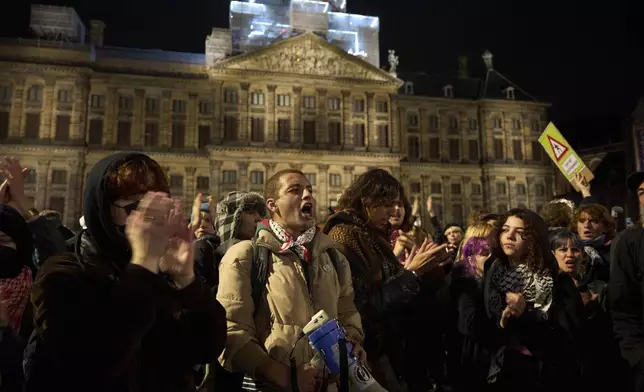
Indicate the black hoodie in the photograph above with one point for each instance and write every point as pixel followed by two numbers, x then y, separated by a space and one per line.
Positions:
pixel 103 324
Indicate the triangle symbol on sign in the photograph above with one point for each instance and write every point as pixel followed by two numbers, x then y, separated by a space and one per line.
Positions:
pixel 558 149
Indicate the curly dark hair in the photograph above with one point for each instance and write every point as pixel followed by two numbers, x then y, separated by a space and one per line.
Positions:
pixel 538 256
pixel 597 212
pixel 374 188
pixel 557 215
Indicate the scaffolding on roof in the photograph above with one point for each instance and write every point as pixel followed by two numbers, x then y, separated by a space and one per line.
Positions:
pixel 57 23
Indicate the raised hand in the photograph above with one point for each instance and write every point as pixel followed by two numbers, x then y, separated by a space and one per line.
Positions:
pixel 426 257
pixel 14 175
pixel 196 209
pixel 178 260
pixel 148 230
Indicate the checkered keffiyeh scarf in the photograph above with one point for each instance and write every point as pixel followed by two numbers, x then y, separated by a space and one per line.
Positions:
pixel 229 212
pixel 297 244
pixel 15 294
pixel 536 287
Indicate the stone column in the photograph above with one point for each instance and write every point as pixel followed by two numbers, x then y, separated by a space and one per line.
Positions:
pixel 73 201
pixel 322 190
pixel 48 108
pixel 488 138
pixel 16 130
pixel 348 175
pixel 244 112
pixel 138 118
pixel 189 187
pixel 215 180
pixel 242 181
pixel 191 123
pixel 111 112
pixel 549 187
pixel 530 199
pixel 217 129
pixel 165 119
pixel 78 123
pixel 401 116
pixel 271 138
pixel 445 185
pixel 512 189
pixel 296 137
pixel 42 184
pixel 466 194
pixel 322 136
pixel 394 127
pixel 425 192
pixel 424 134
pixel 269 168
pixel 346 119
pixel 372 137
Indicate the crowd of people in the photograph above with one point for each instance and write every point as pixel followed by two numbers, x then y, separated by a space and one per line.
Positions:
pixel 145 298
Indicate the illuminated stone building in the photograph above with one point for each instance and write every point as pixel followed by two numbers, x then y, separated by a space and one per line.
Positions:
pixel 229 118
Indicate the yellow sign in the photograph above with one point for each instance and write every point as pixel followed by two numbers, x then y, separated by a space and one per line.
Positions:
pixel 563 155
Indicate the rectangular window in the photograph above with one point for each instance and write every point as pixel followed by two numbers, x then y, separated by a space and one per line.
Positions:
pixel 125 103
pixel 454 150
pixel 382 107
pixel 257 177
pixel 59 177
pixel 95 132
pixel 34 94
pixel 308 102
pixel 520 189
pixel 123 138
pixel 502 208
pixel 4 125
pixel 284 130
pixel 517 150
pixel 309 132
pixel 516 124
pixel 540 190
pixel 283 100
pixel 151 137
pixel 97 101
pixel 65 96
pixel 477 189
pixel 473 124
pixel 203 183
pixel 536 126
pixel 473 147
pixel 335 133
pixel 205 107
pixel 31 177
pixel 412 119
pixel 230 128
pixel 414 187
pixel 312 177
pixel 257 98
pixel 383 135
pixel 178 135
pixel 179 106
pixel 358 135
pixel 500 188
pixel 335 180
pixel 456 189
pixel 453 123
pixel 433 122
pixel 497 123
pixel 413 147
pixel 151 107
pixel 62 128
pixel 256 129
pixel 334 104
pixel 176 181
pixel 434 148
pixel 230 96
pixel 358 106
pixel 229 177
pixel 5 94
pixel 32 126
pixel 57 203
pixel 457 213
pixel 498 149
pixel 437 188
pixel 204 136
pixel 537 151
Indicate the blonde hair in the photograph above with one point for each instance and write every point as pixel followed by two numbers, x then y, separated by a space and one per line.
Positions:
pixel 478 230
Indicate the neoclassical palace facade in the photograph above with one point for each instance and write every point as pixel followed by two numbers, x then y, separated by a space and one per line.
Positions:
pixel 230 124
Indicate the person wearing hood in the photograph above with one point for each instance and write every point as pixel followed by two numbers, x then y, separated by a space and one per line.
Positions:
pixel 124 312
pixel 596 228
pixel 202 226
pixel 384 288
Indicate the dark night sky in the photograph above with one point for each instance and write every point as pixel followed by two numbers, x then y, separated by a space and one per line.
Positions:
pixel 587 58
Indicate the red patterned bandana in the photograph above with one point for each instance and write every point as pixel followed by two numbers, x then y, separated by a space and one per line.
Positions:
pixel 295 244
pixel 15 294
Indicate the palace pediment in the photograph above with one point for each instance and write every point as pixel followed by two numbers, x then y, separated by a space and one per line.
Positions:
pixel 306 55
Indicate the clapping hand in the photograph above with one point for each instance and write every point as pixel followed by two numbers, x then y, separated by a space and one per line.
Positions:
pixel 14 190
pixel 426 257
pixel 178 260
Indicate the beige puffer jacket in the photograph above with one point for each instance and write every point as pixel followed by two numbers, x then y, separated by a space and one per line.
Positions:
pixel 286 306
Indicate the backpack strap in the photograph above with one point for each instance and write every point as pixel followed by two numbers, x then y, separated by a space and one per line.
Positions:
pixel 335 260
pixel 259 272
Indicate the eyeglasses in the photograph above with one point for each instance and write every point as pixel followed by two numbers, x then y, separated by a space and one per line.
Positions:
pixel 128 208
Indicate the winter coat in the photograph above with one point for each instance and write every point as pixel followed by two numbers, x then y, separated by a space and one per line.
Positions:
pixel 206 266
pixel 287 304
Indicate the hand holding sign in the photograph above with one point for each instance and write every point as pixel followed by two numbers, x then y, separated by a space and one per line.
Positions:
pixel 565 157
